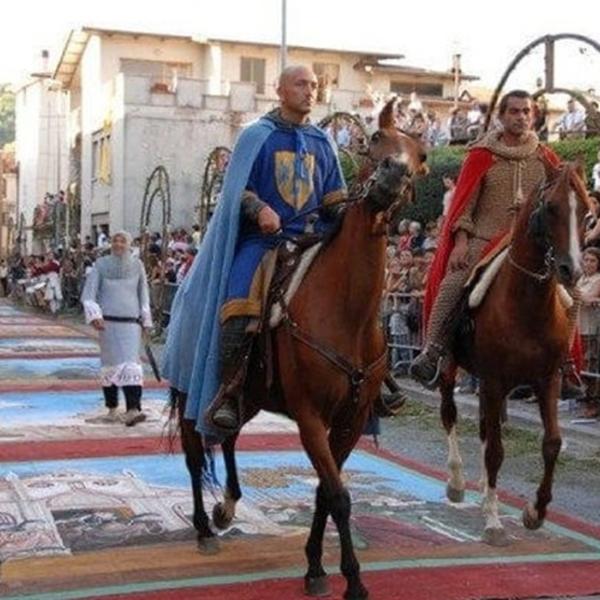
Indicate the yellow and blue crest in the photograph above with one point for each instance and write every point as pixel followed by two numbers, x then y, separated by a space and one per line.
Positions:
pixel 293 188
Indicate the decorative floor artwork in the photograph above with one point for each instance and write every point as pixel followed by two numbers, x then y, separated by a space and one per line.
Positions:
pixel 96 510
pixel 53 331
pixel 46 347
pixel 52 415
pixel 80 367
pixel 69 513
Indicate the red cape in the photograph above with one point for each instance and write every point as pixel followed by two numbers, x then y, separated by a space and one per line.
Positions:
pixel 474 169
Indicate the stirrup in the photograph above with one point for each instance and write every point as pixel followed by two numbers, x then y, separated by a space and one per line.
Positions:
pixel 433 383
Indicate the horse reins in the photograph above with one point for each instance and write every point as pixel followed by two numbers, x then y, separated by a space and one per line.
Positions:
pixel 539 276
pixel 357 375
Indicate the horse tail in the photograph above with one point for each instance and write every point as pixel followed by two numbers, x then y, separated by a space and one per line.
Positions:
pixel 172 428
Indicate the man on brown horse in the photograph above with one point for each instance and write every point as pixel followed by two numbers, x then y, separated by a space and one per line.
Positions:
pixel 499 173
pixel 293 184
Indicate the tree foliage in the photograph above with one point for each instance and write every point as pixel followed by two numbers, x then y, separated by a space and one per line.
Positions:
pixel 7 115
pixel 448 160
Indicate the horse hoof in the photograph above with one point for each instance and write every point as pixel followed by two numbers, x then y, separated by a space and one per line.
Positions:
pixel 358 593
pixel 317 587
pixel 455 496
pixel 208 545
pixel 495 537
pixel 531 519
pixel 219 517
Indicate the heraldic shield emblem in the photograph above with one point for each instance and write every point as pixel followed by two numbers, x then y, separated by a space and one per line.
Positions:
pixel 294 191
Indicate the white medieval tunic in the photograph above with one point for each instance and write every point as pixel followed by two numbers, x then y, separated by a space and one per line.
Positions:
pixel 117 287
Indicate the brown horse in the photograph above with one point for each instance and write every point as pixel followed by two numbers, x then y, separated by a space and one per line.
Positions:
pixel 521 337
pixel 329 358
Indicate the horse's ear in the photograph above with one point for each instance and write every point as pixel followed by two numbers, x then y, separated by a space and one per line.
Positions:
pixel 386 116
pixel 552 171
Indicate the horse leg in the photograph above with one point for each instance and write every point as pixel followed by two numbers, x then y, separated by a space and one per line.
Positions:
pixel 455 489
pixel 224 512
pixel 493 452
pixel 341 443
pixel 315 580
pixel 193 449
pixel 333 499
pixel 547 391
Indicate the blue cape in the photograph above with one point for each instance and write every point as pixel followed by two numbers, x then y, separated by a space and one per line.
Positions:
pixel 191 356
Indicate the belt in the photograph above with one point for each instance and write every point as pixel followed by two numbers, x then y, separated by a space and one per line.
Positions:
pixel 137 320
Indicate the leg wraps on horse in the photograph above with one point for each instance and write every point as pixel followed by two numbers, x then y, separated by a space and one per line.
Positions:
pixel 449 295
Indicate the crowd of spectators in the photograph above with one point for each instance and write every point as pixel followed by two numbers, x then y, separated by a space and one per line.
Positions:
pixel 54 280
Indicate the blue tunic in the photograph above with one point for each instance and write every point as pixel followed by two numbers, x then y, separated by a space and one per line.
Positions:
pixel 295 171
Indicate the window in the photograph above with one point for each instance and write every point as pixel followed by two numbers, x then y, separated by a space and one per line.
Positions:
pixel 328 77
pixel 422 89
pixel 101 157
pixel 253 70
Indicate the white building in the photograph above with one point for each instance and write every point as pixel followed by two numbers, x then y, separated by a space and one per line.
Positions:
pixel 139 100
pixel 41 147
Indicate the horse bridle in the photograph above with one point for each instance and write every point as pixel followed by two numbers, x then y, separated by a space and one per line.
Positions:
pixel 538 227
pixel 360 189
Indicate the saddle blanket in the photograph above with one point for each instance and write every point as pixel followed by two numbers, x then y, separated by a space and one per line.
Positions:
pixel 255 270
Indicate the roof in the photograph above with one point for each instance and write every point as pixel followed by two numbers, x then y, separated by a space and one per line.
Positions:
pixel 71 55
pixel 78 38
pixel 416 72
pixel 75 45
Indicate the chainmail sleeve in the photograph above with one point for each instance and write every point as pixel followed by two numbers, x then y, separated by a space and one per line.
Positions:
pixel 89 296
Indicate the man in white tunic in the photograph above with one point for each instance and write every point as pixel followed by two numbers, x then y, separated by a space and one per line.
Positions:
pixel 117 304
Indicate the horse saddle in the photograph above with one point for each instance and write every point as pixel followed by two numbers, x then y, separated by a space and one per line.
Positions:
pixel 485 273
pixel 294 260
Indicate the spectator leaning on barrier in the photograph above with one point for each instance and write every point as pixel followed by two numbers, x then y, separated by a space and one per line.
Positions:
pixel 596 175
pixel 416 235
pixel 592 121
pixel 403 235
pixel 589 318
pixel 457 126
pixel 431 236
pixel 4 277
pixel 540 122
pixel 592 222
pixel 572 122
pixel 449 185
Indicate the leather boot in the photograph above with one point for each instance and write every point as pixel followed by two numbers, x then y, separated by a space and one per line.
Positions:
pixel 236 344
pixel 389 405
pixel 427 367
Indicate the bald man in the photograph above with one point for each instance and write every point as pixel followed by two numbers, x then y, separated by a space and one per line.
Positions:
pixel 294 176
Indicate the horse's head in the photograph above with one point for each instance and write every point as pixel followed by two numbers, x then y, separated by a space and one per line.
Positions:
pixel 399 158
pixel 556 222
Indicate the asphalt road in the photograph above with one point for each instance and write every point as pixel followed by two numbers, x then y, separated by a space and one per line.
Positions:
pixel 417 433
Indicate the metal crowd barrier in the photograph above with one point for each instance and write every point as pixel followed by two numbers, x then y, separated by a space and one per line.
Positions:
pixel 402 316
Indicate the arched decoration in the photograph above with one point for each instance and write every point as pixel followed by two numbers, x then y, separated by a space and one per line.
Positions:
pixel 157 190
pixel 548 41
pixel 212 182
pixel 347 131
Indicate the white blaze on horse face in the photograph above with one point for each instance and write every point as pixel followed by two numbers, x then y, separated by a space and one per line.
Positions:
pixel 574 242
